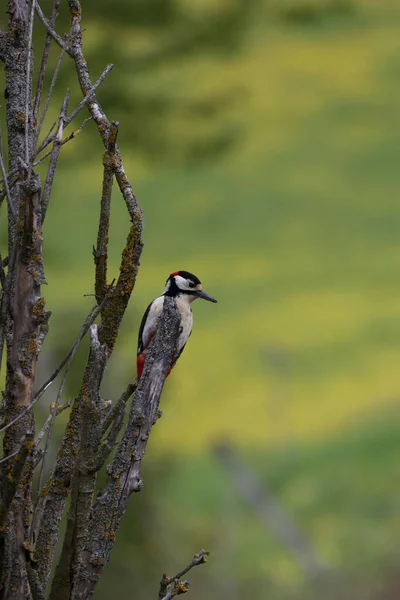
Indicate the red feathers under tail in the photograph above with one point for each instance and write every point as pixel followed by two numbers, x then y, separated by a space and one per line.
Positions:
pixel 140 365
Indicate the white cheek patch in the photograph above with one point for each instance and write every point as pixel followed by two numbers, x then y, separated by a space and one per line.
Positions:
pixel 167 286
pixel 183 284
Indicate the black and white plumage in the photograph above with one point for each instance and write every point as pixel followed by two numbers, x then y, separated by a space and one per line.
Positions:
pixel 185 288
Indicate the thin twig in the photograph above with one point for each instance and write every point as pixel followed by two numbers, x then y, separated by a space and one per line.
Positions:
pixel 51 171
pixel 198 559
pixel 89 94
pixel 51 420
pixel 85 328
pixel 55 409
pixel 46 425
pixel 83 102
pixel 45 56
pixel 49 95
pixel 28 85
pixel 50 29
pixel 47 140
pixel 5 180
pixel 70 137
pixel 9 456
pixel 116 409
pixel 178 586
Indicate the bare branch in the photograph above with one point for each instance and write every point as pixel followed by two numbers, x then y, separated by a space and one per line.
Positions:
pixel 54 413
pixel 47 140
pixel 85 328
pixel 120 405
pixel 92 411
pixel 11 206
pixel 50 29
pixel 124 471
pixel 175 585
pixel 111 319
pixel 45 56
pixel 54 157
pixel 56 491
pixel 28 86
pixel 97 112
pixel 47 102
pixel 90 94
pixel 100 253
pixel 22 359
pixel 70 137
pixel 54 409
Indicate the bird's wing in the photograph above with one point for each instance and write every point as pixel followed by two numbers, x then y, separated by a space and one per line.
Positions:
pixel 149 322
pixel 141 343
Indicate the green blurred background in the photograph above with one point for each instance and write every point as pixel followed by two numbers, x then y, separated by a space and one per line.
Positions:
pixel 262 139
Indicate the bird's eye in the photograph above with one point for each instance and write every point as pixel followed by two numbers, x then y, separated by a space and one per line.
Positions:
pixel 191 284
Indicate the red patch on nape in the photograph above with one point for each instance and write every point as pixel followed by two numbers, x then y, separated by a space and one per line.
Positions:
pixel 174 273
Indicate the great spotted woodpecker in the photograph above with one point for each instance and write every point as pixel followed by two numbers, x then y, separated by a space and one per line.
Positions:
pixel 186 288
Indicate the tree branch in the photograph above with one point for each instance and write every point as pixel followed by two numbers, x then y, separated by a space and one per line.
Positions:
pixel 173 586
pixel 100 252
pixel 54 412
pixel 124 471
pixel 113 314
pixel 28 92
pixel 50 29
pixel 51 171
pixel 46 106
pixel 45 56
pixel 90 93
pixel 70 137
pixel 93 411
pixel 85 328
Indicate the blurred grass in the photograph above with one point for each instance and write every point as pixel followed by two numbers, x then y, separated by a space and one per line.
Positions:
pixel 295 232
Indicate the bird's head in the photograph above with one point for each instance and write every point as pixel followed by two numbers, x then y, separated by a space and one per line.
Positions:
pixel 187 285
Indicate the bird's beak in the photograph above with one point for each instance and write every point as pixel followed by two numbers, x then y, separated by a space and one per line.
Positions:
pixel 205 296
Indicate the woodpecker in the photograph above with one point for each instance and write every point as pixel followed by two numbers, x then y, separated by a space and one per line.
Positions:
pixel 185 288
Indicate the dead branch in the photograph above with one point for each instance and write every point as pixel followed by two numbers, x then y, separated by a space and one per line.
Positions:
pixel 47 102
pixel 124 471
pixel 90 93
pixel 272 513
pixel 54 412
pixel 93 411
pixel 100 252
pixel 85 328
pixel 70 137
pixel 50 29
pixel 51 171
pixel 45 56
pixel 173 586
pixel 28 91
